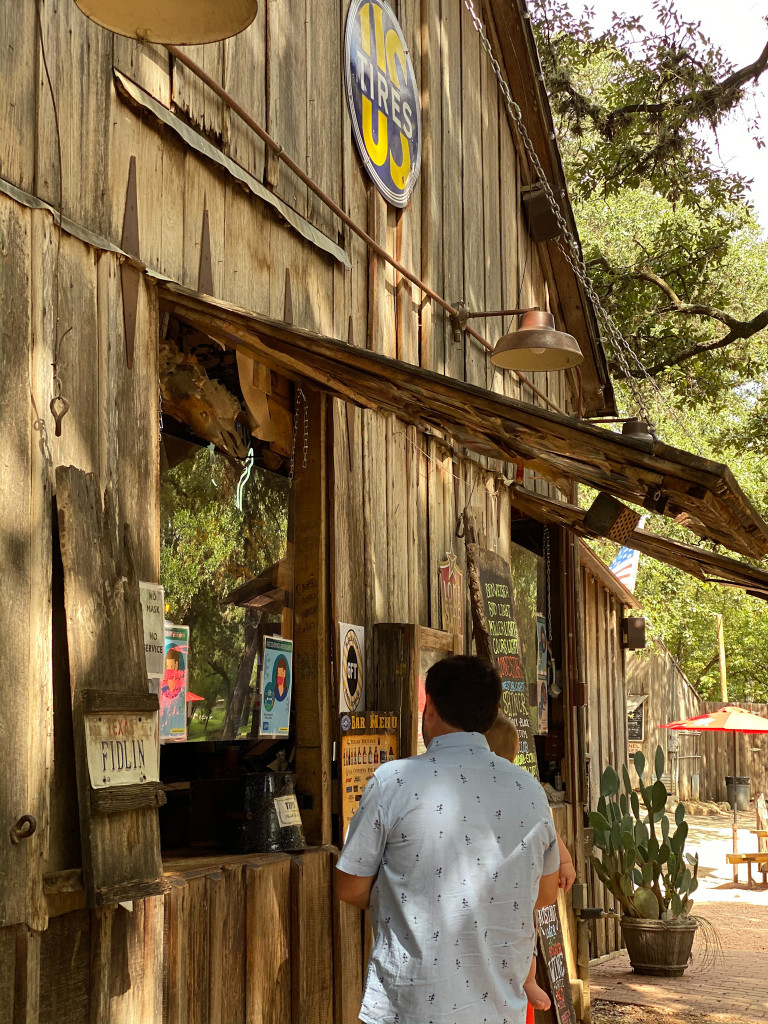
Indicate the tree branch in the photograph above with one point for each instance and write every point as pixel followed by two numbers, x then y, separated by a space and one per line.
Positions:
pixel 720 96
pixel 737 329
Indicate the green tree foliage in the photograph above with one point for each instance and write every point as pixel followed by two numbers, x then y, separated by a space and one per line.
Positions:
pixel 681 609
pixel 208 547
pixel 666 228
pixel 680 264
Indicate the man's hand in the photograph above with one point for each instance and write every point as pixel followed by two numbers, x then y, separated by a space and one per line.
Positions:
pixel 354 889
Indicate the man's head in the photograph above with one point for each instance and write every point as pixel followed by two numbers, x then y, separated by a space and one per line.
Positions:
pixel 463 695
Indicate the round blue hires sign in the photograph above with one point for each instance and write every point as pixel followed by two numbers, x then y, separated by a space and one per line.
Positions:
pixel 383 99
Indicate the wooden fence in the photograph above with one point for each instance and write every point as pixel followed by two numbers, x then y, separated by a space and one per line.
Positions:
pixel 717 755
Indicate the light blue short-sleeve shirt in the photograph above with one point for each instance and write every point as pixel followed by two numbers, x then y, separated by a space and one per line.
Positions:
pixel 460 839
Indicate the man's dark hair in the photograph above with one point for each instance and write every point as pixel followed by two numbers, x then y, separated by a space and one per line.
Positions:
pixel 465 691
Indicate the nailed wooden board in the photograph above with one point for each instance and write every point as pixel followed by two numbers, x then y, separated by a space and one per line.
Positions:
pixel 65 979
pixel 311 938
pixel 348 964
pixel 268 940
pixel 121 852
pixel 24 604
pixel 227 940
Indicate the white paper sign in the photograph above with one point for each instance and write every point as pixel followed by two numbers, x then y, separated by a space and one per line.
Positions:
pixel 351 668
pixel 153 615
pixel 287 811
pixel 122 748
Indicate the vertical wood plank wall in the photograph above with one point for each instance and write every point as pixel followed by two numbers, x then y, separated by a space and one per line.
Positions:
pixel 670 699
pixel 607 729
pixel 394 496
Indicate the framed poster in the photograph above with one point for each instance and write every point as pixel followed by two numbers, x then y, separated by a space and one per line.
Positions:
pixel 173 687
pixel 276 687
pixel 451 595
pixel 366 742
pixel 351 668
pixel 636 717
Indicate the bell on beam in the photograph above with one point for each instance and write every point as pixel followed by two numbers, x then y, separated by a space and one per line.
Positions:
pixel 172 21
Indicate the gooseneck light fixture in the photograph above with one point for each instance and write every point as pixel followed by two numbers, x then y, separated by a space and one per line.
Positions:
pixel 172 21
pixel 535 345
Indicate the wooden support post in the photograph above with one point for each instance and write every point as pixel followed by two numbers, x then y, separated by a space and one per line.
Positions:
pixel 311 652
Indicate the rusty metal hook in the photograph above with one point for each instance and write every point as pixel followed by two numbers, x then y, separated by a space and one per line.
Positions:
pixel 19 830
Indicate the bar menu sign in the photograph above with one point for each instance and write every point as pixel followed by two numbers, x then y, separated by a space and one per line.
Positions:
pixel 497 608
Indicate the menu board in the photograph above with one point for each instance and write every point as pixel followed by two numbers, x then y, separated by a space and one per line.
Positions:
pixel 367 740
pixel 495 586
pixel 552 952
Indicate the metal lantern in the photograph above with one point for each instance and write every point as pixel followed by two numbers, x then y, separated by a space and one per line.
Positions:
pixel 536 345
pixel 172 21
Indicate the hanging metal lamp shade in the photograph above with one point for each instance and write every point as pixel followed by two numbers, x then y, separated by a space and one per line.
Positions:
pixel 172 21
pixel 536 345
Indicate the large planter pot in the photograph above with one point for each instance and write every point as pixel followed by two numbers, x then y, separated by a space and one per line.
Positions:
pixel 662 948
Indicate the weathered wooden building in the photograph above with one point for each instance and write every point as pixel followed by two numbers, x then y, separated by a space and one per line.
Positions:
pixel 161 261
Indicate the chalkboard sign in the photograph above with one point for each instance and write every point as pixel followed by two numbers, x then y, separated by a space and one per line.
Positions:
pixel 552 953
pixel 491 589
pixel 636 718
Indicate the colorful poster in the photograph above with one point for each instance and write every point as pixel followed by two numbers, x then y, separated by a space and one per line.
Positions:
pixel 366 742
pixel 276 687
pixel 173 688
pixel 351 668
pixel 542 726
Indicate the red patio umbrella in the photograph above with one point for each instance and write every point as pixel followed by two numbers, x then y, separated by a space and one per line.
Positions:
pixel 728 719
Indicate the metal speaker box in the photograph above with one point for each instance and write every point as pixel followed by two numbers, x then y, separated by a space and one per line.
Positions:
pixel 633 632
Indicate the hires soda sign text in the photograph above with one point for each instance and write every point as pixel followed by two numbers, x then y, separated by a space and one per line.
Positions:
pixel 383 99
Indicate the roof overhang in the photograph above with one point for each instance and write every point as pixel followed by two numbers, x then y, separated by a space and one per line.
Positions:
pixel 695 492
pixel 704 565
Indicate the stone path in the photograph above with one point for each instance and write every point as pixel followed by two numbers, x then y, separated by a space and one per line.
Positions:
pixel 731 982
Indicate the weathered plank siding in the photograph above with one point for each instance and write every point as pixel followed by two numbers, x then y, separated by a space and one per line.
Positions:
pixel 606 724
pixel 670 699
pixel 394 494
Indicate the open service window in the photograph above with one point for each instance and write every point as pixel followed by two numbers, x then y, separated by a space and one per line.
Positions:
pixel 227 718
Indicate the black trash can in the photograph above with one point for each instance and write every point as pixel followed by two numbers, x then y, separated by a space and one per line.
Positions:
pixel 737 789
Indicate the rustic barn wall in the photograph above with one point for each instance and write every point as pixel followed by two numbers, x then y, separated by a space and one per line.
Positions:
pixel 606 724
pixel 670 699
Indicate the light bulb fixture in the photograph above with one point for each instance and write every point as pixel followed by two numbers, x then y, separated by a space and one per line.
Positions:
pixel 535 345
pixel 172 21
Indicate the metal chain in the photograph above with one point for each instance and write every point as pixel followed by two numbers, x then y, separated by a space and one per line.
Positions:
pixel 573 253
pixel 548 562
pixel 300 397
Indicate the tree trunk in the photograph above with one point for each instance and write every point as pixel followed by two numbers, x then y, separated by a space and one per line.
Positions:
pixel 243 678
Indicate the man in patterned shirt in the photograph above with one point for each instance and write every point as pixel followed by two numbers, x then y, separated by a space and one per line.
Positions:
pixel 452 851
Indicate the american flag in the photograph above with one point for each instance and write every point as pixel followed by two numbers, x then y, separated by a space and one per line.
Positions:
pixel 624 566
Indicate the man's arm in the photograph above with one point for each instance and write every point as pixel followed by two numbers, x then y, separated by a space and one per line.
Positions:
pixel 549 886
pixel 354 889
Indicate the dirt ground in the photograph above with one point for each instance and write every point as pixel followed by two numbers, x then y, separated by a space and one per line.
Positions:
pixel 717 980
pixel 617 1013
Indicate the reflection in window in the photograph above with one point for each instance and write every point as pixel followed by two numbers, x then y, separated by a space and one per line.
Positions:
pixel 224 566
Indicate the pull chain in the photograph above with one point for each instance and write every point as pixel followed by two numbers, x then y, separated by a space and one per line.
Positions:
pixel 548 562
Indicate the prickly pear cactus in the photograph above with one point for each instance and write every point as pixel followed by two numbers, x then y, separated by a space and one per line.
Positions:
pixel 642 858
